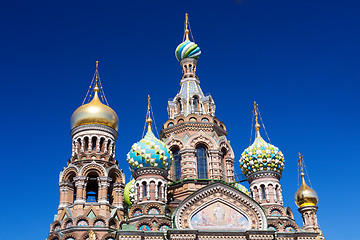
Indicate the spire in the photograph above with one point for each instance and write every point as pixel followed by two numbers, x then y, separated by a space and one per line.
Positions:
pixel 302 174
pixel 257 125
pixel 305 195
pixel 186 33
pixel 149 120
pixel 96 88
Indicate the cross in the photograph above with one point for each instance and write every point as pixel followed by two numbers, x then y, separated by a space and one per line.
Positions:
pixel 149 103
pixel 255 108
pixel 186 27
pixel 300 161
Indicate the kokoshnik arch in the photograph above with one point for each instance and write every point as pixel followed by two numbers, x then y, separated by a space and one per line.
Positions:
pixel 183 185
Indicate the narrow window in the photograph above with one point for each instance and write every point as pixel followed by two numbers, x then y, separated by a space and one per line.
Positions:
pixel 159 190
pixel 201 163
pixel 144 189
pixel 86 143
pixel 93 143
pixel 263 192
pixel 179 106
pixel 102 140
pixel 196 103
pixel 177 166
pixel 92 188
pixel 223 161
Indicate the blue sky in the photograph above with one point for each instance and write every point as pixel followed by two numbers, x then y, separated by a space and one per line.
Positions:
pixel 298 59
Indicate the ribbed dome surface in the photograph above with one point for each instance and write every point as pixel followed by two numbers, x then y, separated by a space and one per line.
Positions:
pixel 95 112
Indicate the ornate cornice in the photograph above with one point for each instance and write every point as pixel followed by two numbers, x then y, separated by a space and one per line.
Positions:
pixel 149 170
pixel 263 174
pixel 193 126
pixel 97 127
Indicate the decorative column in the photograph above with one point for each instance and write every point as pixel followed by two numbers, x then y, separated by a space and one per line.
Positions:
pixel 118 190
pixel 80 189
pixel 188 164
pixel 104 184
pixel 215 164
pixel 66 194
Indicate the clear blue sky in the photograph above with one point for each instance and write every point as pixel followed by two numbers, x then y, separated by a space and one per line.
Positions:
pixel 298 59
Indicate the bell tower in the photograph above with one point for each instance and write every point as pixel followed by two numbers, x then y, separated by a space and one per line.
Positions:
pixel 195 136
pixel 91 185
pixel 306 199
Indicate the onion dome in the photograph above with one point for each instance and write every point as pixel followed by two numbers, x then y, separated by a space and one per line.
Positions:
pixel 242 188
pixel 95 112
pixel 149 151
pixel 187 49
pixel 261 156
pixel 305 195
pixel 129 193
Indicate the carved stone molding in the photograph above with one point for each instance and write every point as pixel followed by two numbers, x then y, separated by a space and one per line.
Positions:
pixel 97 127
pixel 149 170
pixel 258 175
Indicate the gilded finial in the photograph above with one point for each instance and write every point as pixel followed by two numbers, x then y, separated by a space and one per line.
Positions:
pixel 186 27
pixel 257 125
pixel 300 161
pixel 96 72
pixel 149 120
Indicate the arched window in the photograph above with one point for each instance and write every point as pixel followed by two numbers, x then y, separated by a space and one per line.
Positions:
pixel 92 188
pixel 196 103
pixel 177 166
pixel 102 140
pixel 201 162
pixel 93 143
pixel 86 143
pixel 223 162
pixel 263 196
pixel 144 189
pixel 79 145
pixel 159 190
pixel 179 105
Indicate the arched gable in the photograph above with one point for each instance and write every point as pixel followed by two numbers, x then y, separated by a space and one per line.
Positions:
pixel 202 138
pixel 223 143
pixel 174 141
pixel 93 166
pixel 220 206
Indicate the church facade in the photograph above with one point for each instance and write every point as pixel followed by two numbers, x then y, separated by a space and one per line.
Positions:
pixel 183 184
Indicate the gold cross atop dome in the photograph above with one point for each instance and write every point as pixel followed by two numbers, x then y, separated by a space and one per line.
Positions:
pixel 257 125
pixel 186 27
pixel 149 120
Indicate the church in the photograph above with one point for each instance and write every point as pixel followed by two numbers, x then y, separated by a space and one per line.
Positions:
pixel 183 185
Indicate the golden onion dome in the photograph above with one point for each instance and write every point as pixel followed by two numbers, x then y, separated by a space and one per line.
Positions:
pixel 95 112
pixel 305 195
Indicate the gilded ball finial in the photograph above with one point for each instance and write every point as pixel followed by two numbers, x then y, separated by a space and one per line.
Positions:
pixel 96 88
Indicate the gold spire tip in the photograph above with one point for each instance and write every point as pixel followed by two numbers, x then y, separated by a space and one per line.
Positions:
pixel 186 26
pixel 149 120
pixel 257 125
pixel 300 161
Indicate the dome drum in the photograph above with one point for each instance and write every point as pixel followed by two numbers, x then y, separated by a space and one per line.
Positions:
pixel 84 129
pixel 149 171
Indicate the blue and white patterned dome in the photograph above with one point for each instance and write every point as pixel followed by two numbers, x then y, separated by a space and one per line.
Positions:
pixel 149 152
pixel 187 49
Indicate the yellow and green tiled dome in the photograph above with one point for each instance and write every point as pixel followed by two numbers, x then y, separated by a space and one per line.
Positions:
pixel 261 156
pixel 242 188
pixel 149 152
pixel 129 193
